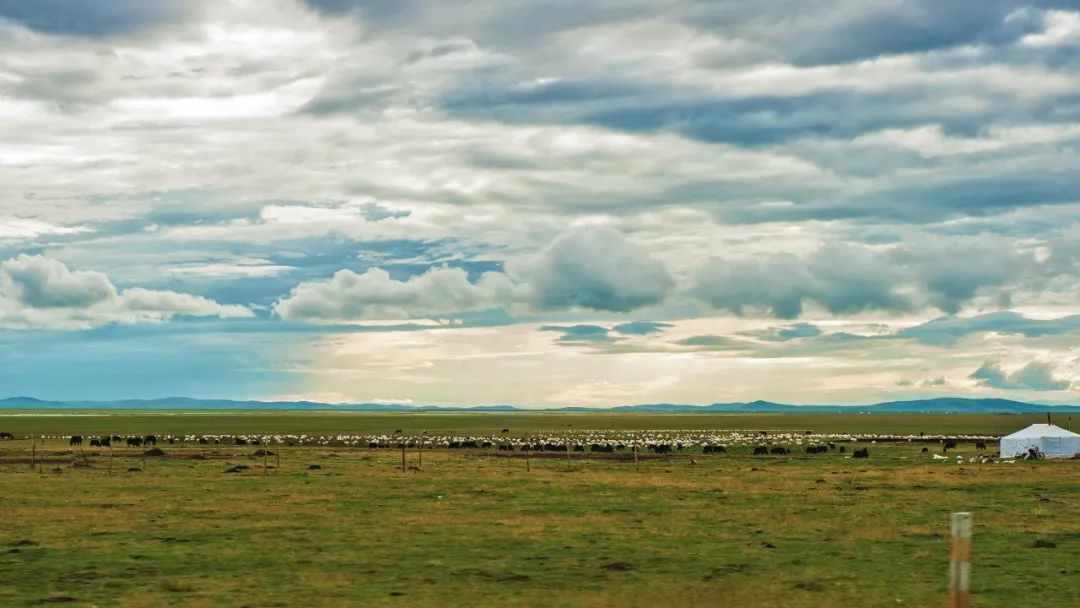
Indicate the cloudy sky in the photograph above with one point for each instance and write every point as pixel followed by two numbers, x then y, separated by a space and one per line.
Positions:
pixel 542 203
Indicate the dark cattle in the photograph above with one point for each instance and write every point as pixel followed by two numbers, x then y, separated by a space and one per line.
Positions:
pixel 761 450
pixel 579 448
pixel 150 440
pixel 950 445
pixel 95 442
pixel 75 440
pixel 714 449
pixel 816 449
pixel 661 448
pixel 779 451
pixel 925 450
pixel 832 446
pixel 203 441
pixel 134 442
pixel 506 430
pixel 106 442
pixel 863 453
pixel 240 441
pixel 6 436
pixel 842 449
pixel 116 438
pixel 397 431
pixel 980 445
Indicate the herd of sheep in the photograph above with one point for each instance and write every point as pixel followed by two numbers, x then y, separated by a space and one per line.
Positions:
pixel 592 441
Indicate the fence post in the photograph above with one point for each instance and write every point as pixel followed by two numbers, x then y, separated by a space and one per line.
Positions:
pixel 960 562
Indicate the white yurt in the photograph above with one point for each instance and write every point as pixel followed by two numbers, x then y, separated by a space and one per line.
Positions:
pixel 1052 440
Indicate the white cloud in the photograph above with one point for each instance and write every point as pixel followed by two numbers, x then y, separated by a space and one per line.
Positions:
pixel 374 295
pixel 39 292
pixel 592 268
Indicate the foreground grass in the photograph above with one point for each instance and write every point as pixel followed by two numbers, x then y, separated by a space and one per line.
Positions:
pixel 480 530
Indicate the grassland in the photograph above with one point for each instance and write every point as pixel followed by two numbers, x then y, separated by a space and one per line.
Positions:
pixel 123 422
pixel 475 528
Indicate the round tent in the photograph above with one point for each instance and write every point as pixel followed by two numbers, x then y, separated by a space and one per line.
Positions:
pixel 1051 440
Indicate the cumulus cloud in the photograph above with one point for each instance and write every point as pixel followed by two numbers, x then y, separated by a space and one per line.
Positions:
pixel 840 278
pixel 946 273
pixel 584 268
pixel 40 292
pixel 1035 376
pixel 595 268
pixel 953 270
pixel 375 295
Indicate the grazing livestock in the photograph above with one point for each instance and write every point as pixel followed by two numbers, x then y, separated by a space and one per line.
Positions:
pixel 842 449
pixel 863 453
pixel 714 449
pixel 980 445
pixel 761 451
pixel 6 436
pixel 661 448
pixel 134 442
pixel 925 450
pixel 816 449
pixel 949 445
pixel 150 440
pixel 75 440
pixel 779 451
pixel 95 442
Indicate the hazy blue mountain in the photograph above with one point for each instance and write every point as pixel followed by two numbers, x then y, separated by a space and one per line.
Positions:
pixel 942 405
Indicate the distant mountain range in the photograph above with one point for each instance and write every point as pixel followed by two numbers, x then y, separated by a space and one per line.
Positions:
pixel 952 405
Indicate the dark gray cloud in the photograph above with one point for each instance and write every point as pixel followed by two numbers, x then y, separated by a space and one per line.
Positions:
pixel 1035 376
pixel 841 278
pixel 947 330
pixel 595 268
pixel 580 333
pixel 823 32
pixel 641 328
pixel 93 17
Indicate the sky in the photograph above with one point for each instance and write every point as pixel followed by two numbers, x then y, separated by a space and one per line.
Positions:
pixel 540 203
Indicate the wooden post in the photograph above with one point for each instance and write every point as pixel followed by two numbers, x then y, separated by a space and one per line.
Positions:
pixel 528 467
pixel 420 450
pixel 33 452
pixel 960 562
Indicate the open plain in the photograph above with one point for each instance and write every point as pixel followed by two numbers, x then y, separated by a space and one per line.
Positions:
pixel 330 520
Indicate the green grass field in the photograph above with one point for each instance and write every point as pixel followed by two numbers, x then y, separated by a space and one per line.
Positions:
pixel 122 422
pixel 476 528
